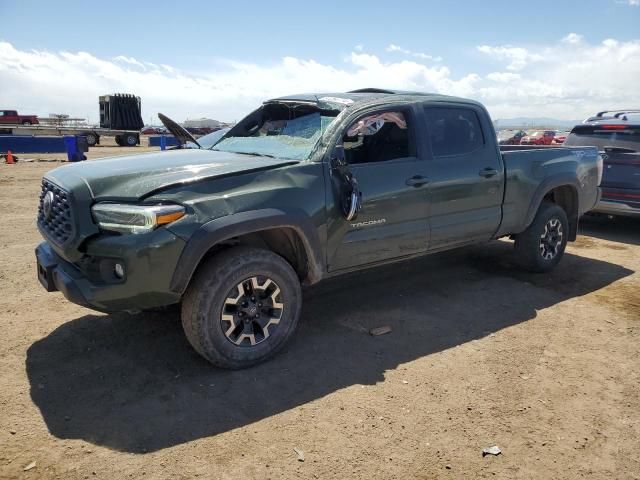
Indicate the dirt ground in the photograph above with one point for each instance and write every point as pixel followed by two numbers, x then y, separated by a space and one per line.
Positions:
pixel 547 367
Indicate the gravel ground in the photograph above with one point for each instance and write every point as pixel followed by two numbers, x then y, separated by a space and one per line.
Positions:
pixel 544 366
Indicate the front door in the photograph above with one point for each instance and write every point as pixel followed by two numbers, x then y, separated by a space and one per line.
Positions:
pixel 381 152
pixel 466 177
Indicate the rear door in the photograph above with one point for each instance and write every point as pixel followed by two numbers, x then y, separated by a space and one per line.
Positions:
pixel 466 176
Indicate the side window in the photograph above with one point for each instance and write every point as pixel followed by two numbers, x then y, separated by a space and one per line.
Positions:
pixel 453 131
pixel 378 137
pixel 1 113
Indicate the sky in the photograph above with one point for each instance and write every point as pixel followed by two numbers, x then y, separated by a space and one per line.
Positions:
pixel 560 59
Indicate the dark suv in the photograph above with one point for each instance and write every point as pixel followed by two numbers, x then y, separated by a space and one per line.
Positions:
pixel 617 136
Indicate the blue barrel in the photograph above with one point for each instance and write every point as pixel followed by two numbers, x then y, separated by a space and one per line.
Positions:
pixel 71 144
pixel 158 140
pixel 74 145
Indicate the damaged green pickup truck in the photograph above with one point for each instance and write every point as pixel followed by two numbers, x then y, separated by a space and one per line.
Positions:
pixel 304 188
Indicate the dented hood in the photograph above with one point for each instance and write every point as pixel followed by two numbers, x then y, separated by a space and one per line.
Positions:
pixel 134 177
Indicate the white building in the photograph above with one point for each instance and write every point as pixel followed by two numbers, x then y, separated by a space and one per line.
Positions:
pixel 202 123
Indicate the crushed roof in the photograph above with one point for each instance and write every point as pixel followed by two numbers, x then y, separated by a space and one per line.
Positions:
pixel 364 95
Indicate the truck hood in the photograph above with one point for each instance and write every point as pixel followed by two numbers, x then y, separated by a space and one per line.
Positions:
pixel 180 133
pixel 134 177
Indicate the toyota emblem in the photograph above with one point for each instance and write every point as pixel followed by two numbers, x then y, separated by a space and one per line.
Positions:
pixel 47 203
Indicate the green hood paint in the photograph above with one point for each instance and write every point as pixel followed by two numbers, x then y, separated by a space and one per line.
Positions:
pixel 132 178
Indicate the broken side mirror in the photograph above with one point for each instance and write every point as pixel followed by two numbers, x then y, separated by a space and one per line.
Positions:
pixel 338 160
pixel 350 197
pixel 351 200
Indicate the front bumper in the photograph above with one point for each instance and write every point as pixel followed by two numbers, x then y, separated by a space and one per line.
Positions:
pixel 149 264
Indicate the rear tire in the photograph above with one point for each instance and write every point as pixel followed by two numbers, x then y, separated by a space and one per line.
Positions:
pixel 241 307
pixel 541 246
pixel 92 139
pixel 130 140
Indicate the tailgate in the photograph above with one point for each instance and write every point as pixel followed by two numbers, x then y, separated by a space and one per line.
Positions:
pixel 621 171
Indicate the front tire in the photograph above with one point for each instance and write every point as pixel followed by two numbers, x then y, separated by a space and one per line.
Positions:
pixel 241 307
pixel 541 246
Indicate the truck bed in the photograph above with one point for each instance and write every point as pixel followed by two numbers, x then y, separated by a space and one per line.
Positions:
pixel 527 167
pixel 520 148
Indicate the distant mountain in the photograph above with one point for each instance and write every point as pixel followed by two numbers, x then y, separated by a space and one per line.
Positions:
pixel 534 122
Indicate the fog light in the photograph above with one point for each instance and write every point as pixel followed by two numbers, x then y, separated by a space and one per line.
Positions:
pixel 118 270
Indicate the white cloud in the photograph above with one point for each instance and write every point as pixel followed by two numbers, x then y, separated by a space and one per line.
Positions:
pixel 395 48
pixel 43 82
pixel 573 38
pixel 566 80
pixel 633 3
pixel 503 77
pixel 517 57
pixel 129 60
pixel 570 80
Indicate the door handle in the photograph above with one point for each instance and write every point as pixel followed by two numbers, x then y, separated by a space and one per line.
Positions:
pixel 417 181
pixel 488 172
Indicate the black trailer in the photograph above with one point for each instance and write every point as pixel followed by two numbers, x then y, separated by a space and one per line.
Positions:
pixel 120 117
pixel 124 138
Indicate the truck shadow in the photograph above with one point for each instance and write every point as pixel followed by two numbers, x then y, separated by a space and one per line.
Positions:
pixel 133 383
pixel 616 229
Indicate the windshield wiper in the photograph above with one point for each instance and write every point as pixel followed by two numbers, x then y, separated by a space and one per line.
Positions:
pixel 255 154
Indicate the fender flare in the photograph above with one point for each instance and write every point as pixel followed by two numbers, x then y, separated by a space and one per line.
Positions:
pixel 560 180
pixel 224 228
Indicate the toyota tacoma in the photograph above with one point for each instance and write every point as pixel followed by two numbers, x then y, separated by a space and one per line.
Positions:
pixel 304 188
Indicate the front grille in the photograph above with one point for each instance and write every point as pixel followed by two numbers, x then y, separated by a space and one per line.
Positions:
pixel 57 221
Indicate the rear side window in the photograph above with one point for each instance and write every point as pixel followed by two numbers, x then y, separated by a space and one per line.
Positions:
pixel 453 131
pixel 597 136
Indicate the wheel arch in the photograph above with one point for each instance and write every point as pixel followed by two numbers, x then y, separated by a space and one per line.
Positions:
pixel 289 233
pixel 563 191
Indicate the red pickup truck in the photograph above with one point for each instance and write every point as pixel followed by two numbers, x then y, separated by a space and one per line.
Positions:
pixel 12 117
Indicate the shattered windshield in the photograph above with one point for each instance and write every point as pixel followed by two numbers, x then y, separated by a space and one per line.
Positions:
pixel 291 138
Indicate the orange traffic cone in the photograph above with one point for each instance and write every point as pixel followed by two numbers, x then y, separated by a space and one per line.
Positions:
pixel 10 158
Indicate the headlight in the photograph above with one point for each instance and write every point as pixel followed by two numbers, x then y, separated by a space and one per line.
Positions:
pixel 117 217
